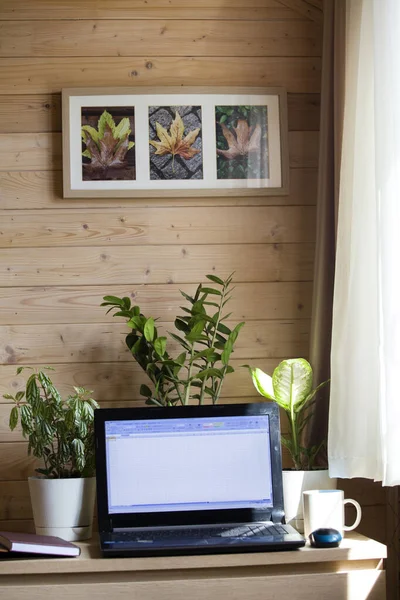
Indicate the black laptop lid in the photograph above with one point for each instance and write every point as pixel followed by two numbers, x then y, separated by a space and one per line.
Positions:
pixel 188 465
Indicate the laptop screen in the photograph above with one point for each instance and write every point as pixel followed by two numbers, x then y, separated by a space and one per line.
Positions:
pixel 196 463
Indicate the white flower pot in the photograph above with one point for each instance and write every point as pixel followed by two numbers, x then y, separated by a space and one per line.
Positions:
pixel 63 507
pixel 297 482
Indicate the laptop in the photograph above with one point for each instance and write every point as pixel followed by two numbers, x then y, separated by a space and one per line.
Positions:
pixel 190 480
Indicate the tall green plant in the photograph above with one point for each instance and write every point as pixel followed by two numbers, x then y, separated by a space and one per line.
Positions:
pixel 198 371
pixel 60 432
pixel 291 387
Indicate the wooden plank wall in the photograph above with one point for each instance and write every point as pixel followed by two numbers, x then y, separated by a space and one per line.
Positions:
pixel 59 257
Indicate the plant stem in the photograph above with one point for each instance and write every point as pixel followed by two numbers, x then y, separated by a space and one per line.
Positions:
pixel 187 393
pixel 215 400
pixel 203 383
pixel 176 386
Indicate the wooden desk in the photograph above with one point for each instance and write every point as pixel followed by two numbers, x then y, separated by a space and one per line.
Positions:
pixel 351 572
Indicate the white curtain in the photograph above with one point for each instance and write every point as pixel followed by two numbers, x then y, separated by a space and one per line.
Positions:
pixel 364 416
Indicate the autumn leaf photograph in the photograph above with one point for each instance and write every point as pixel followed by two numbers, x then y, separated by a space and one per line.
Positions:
pixel 175 140
pixel 242 142
pixel 108 143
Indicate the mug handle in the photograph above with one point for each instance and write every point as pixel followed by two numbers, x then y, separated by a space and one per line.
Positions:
pixel 358 516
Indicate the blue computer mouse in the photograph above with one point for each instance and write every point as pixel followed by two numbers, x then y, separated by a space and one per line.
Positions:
pixel 325 538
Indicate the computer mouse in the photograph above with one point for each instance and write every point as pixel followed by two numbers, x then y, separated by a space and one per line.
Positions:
pixel 325 537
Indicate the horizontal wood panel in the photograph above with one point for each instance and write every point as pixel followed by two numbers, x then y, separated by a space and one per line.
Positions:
pixel 159 37
pixel 42 151
pixel 303 149
pixel 113 382
pixel 43 189
pixel 15 501
pixel 32 113
pixel 40 113
pixel 15 464
pixel 157 226
pixel 175 264
pixel 97 343
pixel 38 75
pixel 75 304
pixel 303 112
pixel 144 12
pixel 30 151
pixel 128 9
pixel 19 525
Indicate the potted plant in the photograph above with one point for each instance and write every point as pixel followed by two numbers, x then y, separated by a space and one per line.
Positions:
pixel 291 387
pixel 197 373
pixel 60 433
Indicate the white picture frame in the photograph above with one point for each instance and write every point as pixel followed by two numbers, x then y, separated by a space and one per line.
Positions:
pixel 230 141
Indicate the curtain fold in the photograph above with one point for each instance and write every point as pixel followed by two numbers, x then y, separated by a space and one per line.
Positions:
pixel 332 99
pixel 364 413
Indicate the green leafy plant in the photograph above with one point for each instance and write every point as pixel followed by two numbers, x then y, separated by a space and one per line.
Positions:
pixel 60 432
pixel 107 145
pixel 291 387
pixel 198 371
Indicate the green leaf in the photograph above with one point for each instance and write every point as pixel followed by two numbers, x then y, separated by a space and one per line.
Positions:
pixel 203 354
pixel 113 300
pixel 8 397
pixel 207 290
pixel 180 340
pixel 127 302
pixel 235 332
pixel 86 153
pixel 13 418
pixel 198 308
pixel 19 396
pixel 19 370
pixel 223 329
pixel 215 279
pixel 292 382
pixel 195 331
pixel 263 383
pixel 145 391
pixel 228 348
pixel 32 390
pixel 211 372
pixel 136 323
pixel 181 325
pixel 188 298
pixel 122 313
pixel 160 345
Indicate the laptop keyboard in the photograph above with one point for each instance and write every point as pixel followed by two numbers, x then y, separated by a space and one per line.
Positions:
pixel 242 531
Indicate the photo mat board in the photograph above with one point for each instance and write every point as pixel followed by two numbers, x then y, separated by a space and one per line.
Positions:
pixel 174 142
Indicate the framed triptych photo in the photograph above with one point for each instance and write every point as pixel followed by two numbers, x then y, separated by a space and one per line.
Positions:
pixel 150 142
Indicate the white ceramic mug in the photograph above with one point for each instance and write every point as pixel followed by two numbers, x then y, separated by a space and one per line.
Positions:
pixel 325 508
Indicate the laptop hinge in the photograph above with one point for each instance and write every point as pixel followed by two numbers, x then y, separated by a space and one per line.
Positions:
pixel 278 515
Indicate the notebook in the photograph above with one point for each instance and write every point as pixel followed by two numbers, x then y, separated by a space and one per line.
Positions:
pixel 190 480
pixel 36 544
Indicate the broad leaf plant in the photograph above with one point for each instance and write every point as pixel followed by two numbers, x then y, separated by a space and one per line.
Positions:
pixel 197 373
pixel 60 432
pixel 291 387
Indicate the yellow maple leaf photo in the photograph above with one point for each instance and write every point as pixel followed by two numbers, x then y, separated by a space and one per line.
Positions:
pixel 178 140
